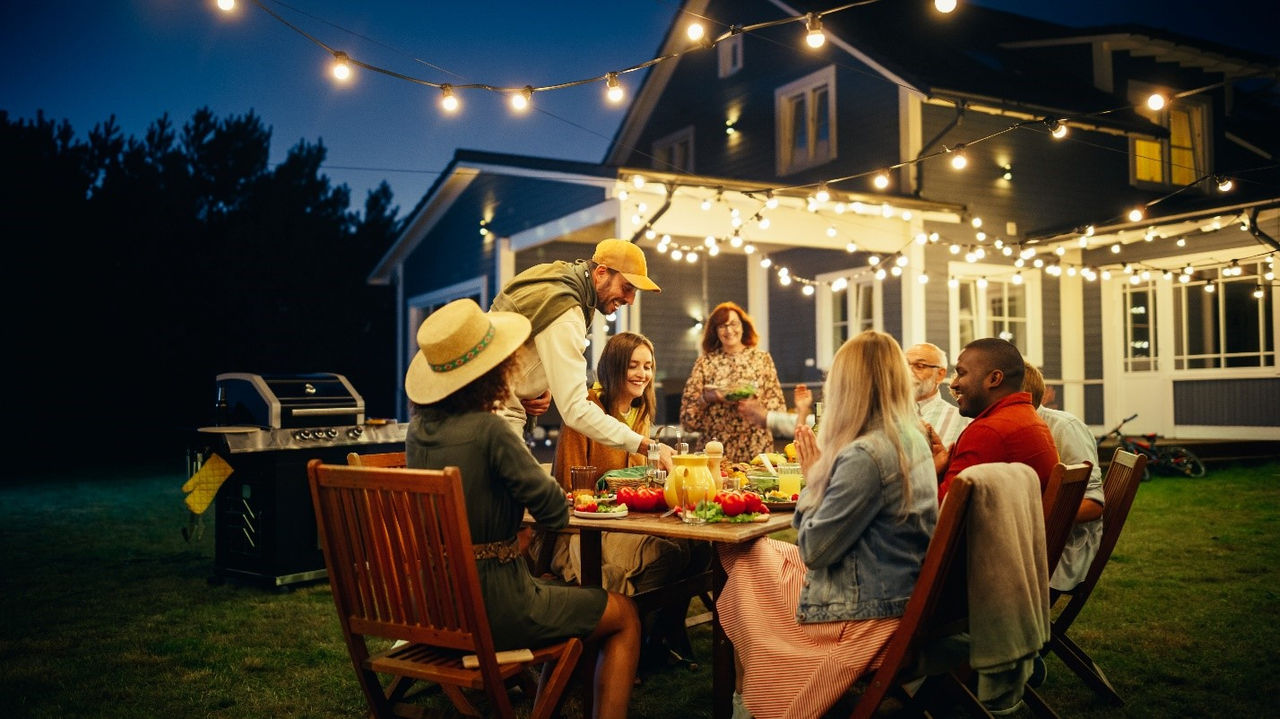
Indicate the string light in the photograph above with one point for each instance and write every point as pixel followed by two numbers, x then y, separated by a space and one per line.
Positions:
pixel 814 35
pixel 520 100
pixel 881 180
pixel 613 89
pixel 448 100
pixel 341 68
pixel 944 6
pixel 226 5
pixel 1225 184
pixel 1057 129
pixel 695 31
pixel 823 195
pixel 1136 214
pixel 1156 101
pixel 958 159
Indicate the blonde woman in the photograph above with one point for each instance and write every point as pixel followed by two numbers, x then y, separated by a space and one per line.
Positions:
pixel 863 523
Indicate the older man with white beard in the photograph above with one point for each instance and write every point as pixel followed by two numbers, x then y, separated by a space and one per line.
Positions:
pixel 928 369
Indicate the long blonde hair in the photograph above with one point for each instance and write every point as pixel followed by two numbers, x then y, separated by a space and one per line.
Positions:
pixel 867 388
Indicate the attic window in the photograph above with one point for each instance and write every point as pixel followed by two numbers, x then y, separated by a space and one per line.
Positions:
pixel 806 121
pixel 674 153
pixel 730 53
pixel 1179 159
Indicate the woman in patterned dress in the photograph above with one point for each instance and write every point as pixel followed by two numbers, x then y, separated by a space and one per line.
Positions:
pixel 730 361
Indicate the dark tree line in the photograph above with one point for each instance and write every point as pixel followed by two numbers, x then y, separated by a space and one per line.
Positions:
pixel 140 267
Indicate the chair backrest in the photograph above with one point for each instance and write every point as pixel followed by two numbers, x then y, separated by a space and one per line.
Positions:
pixel 377 459
pixel 397 545
pixel 1061 500
pixel 938 602
pixel 1119 487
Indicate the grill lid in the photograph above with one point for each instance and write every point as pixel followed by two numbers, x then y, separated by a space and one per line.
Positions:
pixel 289 400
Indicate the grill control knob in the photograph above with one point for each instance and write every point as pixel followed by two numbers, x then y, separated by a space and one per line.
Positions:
pixel 355 432
pixel 331 433
pixel 302 435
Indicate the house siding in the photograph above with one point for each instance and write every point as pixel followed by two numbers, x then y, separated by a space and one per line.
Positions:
pixel 1227 402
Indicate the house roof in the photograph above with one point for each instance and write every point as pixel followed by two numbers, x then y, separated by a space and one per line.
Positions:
pixel 465 166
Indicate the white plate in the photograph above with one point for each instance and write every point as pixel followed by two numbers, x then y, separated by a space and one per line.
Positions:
pixel 600 515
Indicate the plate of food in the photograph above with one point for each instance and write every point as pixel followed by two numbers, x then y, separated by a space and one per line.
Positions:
pixel 601 511
pixel 777 501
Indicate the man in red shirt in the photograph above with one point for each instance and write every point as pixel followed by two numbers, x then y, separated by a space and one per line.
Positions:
pixel 1005 427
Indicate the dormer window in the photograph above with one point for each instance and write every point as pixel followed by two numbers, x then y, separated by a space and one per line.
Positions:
pixel 806 121
pixel 1178 160
pixel 730 54
pixel 674 153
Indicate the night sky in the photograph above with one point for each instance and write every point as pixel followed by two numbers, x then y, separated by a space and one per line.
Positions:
pixel 137 59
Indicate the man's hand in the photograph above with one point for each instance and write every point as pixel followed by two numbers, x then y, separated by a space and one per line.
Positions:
pixel 806 447
pixel 754 412
pixel 538 405
pixel 803 402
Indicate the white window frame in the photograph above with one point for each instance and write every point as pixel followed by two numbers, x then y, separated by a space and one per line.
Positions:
pixel 823 319
pixel 782 103
pixel 1267 355
pixel 729 53
pixel 663 146
pixel 1150 362
pixel 973 271
pixel 1198 110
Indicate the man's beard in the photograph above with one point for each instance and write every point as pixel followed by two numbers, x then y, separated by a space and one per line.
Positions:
pixel 924 388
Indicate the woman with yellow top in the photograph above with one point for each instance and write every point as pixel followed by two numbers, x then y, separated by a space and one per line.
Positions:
pixel 631 563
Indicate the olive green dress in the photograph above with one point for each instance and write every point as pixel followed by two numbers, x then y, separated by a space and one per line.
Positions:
pixel 500 478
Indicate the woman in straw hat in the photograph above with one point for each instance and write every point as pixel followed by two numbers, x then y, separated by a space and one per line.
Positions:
pixel 456 380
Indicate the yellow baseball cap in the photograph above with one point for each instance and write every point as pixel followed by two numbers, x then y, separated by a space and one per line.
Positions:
pixel 628 259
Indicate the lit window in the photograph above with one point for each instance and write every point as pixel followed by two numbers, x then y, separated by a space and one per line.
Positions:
pixel 1226 328
pixel 853 309
pixel 1181 158
pixel 986 302
pixel 806 121
pixel 730 54
pixel 674 153
pixel 1140 327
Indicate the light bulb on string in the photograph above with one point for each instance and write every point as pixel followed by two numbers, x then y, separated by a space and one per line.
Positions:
pixel 982 282
pixel 748 249
pixel 1257 292
pixel 954 248
pixel 1115 248
pixel 765 262
pixel 691 257
pixel 881 180
pixel 448 100
pixel 814 35
pixel 944 6
pixel 1225 184
pixel 1017 277
pixel 677 254
pixel 1057 129
pixel 1136 214
pixel 736 240
pixel 958 159
pixel 226 5
pixel 784 280
pixel 840 284
pixel 341 66
pixel 880 274
pixel 923 278
pixel 896 271
pixel 1156 101
pixel 952 282
pixel 823 194
pixel 520 100
pixel 764 223
pixel 807 290
pixel 850 247
pixel 613 89
pixel 770 201
pixel 1210 287
pixel 695 31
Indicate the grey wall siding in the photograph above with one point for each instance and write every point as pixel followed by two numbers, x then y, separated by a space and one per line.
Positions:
pixel 892 318
pixel 1229 402
pixel 1092 296
pixel 1094 407
pixel 1051 311
pixel 937 298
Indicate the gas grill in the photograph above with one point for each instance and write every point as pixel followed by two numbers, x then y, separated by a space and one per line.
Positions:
pixel 268 428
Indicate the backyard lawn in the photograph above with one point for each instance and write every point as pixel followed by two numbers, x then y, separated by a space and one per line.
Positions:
pixel 110 613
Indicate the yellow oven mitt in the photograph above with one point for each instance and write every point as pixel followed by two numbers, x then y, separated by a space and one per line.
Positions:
pixel 204 484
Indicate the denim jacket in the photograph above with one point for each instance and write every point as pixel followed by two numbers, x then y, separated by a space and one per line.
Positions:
pixel 863 556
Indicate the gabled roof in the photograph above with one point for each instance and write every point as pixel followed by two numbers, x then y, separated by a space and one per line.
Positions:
pixel 465 166
pixel 974 55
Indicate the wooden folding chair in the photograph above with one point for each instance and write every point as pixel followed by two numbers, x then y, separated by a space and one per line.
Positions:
pixel 1119 486
pixel 938 608
pixel 397 545
pixel 1061 498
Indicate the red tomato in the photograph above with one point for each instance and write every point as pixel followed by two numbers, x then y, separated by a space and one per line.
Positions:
pixel 627 496
pixel 752 500
pixel 732 503
pixel 658 498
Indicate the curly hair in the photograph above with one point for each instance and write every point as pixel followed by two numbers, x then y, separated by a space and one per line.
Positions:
pixel 482 394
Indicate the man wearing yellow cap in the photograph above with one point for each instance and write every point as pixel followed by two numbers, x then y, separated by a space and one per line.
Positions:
pixel 560 299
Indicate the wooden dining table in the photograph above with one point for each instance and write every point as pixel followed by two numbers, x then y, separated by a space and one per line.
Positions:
pixel 653 524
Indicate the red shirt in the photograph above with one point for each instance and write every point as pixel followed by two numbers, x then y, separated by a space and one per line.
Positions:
pixel 1007 431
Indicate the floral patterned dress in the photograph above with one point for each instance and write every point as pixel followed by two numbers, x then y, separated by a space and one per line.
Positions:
pixel 742 439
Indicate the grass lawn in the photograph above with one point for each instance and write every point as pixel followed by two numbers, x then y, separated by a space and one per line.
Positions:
pixel 109 613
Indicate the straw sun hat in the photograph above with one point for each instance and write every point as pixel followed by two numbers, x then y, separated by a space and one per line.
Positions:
pixel 457 344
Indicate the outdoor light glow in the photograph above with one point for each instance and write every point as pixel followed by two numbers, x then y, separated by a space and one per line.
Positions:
pixel 881 180
pixel 677 254
pixel 831 231
pixel 1225 184
pixel 520 100
pixel 808 290
pixel 637 181
pixel 839 284
pixel 953 283
pixel 1115 248
pixel 748 249
pixel 691 258
pixel 695 31
pixel 944 6
pixel 982 282
pixel 958 160
pixel 814 37
pixel 341 68
pixel 764 223
pixel 765 262
pixel 1057 129
pixel 976 222
pixel 226 5
pixel 850 248
pixel 1136 214
pixel 1156 101
pixel 448 101
pixel 923 278
pixel 1017 277
pixel 770 201
pixel 614 89
pixel 822 195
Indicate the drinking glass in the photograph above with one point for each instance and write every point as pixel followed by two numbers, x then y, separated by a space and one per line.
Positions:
pixel 582 480
pixel 689 498
pixel 789 478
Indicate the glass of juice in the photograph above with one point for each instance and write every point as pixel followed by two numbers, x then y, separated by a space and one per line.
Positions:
pixel 789 478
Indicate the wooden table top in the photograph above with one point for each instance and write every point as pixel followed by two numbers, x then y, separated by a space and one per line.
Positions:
pixel 653 523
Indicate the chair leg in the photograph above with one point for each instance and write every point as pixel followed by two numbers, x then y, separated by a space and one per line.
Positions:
pixel 1037 704
pixel 554 679
pixel 1088 670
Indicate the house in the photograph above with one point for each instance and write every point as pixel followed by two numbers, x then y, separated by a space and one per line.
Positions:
pixel 815 187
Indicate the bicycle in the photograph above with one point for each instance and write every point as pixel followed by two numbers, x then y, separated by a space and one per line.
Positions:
pixel 1172 459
